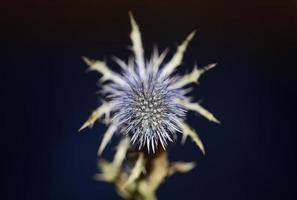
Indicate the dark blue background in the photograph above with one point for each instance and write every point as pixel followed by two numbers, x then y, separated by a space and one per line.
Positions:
pixel 47 95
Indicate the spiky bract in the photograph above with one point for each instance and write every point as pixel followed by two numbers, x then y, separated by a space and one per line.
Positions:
pixel 147 102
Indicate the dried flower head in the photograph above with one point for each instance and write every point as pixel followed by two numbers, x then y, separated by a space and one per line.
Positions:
pixel 147 101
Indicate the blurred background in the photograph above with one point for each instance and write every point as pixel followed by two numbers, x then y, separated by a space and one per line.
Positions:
pixel 47 95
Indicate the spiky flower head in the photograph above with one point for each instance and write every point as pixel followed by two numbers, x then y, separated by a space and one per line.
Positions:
pixel 147 101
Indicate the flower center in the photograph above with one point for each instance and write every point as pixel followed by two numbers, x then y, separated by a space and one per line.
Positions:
pixel 149 109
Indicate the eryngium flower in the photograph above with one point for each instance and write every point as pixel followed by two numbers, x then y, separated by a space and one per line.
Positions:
pixel 147 101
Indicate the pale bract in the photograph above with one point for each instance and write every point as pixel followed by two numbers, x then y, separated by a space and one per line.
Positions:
pixel 147 101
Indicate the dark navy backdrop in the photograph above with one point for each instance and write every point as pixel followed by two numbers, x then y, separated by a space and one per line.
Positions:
pixel 48 95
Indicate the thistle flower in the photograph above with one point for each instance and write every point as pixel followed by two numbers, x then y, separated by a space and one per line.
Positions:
pixel 147 101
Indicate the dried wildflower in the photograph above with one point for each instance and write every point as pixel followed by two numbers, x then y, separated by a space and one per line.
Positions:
pixel 147 104
pixel 147 101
